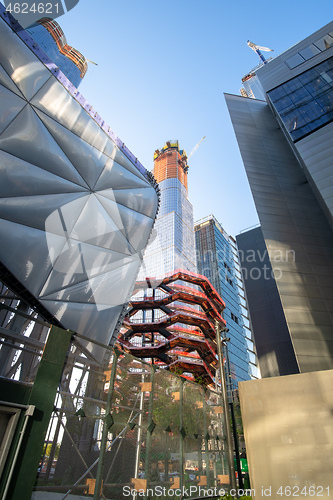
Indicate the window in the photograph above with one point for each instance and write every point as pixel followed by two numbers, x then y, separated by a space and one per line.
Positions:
pixel 229 281
pixel 312 50
pixel 305 103
pixel 234 318
pixel 227 267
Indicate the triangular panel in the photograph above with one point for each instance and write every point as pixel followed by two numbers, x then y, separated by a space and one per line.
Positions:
pixel 83 318
pixel 54 100
pixel 136 226
pixel 10 106
pixel 111 288
pixel 21 244
pixel 140 200
pixel 87 160
pixel 27 138
pixel 23 67
pixel 80 262
pixel 7 82
pixel 54 214
pixel 36 180
pixel 101 230
pixel 120 158
pixel 114 176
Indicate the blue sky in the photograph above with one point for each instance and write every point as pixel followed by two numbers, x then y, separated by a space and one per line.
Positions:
pixel 162 70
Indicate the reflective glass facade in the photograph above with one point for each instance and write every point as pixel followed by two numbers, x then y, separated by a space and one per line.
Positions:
pixel 305 103
pixel 217 259
pixel 252 87
pixel 52 41
pixel 172 245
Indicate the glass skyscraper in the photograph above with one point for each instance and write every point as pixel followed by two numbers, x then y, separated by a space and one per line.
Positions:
pixel 51 39
pixel 172 245
pixel 217 259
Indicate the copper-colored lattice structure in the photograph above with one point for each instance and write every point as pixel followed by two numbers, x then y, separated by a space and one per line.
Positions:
pixel 174 325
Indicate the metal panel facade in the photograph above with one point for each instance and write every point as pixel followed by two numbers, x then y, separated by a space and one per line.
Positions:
pixel 76 208
pixel 316 151
pixel 298 236
pixel 274 347
pixel 277 71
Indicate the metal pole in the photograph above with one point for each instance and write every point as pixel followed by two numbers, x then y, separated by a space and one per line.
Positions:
pixel 139 437
pixel 105 432
pixel 225 409
pixel 42 396
pixel 239 470
pixel 206 439
pixel 29 413
pixel 181 436
pixel 150 421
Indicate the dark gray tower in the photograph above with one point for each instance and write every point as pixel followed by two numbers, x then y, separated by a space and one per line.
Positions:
pixel 287 149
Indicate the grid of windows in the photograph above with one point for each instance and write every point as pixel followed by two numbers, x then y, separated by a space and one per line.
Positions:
pixel 172 245
pixel 312 50
pixel 217 259
pixel 305 103
pixel 71 62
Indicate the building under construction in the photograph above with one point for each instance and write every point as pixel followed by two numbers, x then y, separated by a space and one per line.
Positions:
pixel 173 244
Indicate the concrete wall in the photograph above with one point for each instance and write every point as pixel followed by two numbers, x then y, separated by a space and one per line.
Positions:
pixel 288 427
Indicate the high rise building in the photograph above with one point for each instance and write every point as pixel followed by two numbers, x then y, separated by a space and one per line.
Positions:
pixel 217 259
pixel 251 85
pixel 173 246
pixel 172 315
pixel 286 143
pixel 51 39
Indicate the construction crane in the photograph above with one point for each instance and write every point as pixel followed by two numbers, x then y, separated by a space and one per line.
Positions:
pixel 195 148
pixel 258 49
pixel 92 62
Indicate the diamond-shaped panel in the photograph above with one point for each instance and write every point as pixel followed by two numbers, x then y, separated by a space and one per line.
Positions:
pixel 27 138
pixel 10 106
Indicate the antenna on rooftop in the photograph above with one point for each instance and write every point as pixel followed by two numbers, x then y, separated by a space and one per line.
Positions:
pixel 258 49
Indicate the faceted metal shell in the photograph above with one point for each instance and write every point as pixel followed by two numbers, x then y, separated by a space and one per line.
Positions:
pixel 76 207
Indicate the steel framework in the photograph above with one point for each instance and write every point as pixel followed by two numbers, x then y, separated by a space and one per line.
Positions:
pixel 179 330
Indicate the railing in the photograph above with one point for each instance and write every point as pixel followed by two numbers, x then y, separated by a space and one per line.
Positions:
pixel 128 426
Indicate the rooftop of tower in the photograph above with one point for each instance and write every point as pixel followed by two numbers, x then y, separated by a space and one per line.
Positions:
pixel 172 144
pixel 170 162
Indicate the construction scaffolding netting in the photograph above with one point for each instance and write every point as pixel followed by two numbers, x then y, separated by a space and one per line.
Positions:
pixel 126 428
